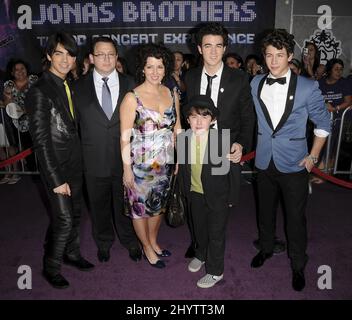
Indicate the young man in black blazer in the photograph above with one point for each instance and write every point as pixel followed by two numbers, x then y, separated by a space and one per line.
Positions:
pixel 228 88
pixel 97 98
pixel 56 142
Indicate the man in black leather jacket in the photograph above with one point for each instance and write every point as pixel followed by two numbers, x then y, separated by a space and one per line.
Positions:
pixel 56 142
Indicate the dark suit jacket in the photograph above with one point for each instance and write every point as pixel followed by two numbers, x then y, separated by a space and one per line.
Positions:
pixel 219 190
pixel 100 137
pixel 234 103
pixel 54 132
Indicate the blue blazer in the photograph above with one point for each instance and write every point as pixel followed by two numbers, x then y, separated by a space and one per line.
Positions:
pixel 287 143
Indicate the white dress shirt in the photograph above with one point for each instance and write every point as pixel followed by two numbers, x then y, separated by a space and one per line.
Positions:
pixel 215 86
pixel 113 84
pixel 274 97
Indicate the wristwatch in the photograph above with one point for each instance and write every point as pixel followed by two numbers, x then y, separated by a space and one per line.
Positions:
pixel 313 159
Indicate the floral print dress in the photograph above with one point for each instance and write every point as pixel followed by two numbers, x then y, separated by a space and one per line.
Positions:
pixel 152 153
pixel 18 97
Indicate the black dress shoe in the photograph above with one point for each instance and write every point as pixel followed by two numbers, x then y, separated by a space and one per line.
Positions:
pixel 256 244
pixel 135 254
pixel 164 253
pixel 57 280
pixel 298 280
pixel 279 245
pixel 81 263
pixel 159 264
pixel 260 258
pixel 103 255
pixel 190 253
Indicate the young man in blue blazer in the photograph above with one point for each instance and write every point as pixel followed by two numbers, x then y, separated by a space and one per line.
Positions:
pixel 283 103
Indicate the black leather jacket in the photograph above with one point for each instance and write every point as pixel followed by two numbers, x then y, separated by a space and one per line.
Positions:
pixel 54 132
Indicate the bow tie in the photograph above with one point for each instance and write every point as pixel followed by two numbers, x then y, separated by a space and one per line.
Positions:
pixel 271 81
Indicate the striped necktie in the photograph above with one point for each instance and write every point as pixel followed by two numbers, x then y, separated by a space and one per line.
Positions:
pixel 106 101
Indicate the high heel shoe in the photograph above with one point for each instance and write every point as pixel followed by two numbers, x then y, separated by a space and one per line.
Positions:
pixel 159 264
pixel 164 253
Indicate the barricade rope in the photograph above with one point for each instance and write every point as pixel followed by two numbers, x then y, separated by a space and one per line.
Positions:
pixel 332 179
pixel 16 158
pixel 315 170
pixel 246 157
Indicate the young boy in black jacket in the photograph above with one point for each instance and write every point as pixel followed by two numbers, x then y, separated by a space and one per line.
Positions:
pixel 209 182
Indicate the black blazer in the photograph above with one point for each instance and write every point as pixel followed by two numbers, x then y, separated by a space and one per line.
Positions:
pixel 219 190
pixel 100 137
pixel 235 103
pixel 54 132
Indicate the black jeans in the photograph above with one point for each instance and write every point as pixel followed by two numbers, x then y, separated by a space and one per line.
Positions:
pixel 62 236
pixel 294 190
pixel 209 229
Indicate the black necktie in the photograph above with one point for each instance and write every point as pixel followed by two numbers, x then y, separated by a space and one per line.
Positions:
pixel 210 81
pixel 271 81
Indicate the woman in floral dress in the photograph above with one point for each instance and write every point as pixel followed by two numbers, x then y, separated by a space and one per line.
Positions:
pixel 149 119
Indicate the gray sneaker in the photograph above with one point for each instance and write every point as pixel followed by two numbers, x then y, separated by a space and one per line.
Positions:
pixel 15 178
pixel 5 179
pixel 208 281
pixel 195 265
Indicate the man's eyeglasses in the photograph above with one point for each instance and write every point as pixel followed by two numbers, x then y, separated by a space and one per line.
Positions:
pixel 103 56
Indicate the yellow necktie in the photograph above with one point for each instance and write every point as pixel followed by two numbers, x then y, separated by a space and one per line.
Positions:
pixel 198 162
pixel 68 93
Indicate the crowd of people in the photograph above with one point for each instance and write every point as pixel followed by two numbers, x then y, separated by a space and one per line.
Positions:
pixel 95 126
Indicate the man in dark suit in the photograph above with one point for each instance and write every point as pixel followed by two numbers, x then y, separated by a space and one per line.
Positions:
pixel 98 97
pixel 228 88
pixel 56 143
pixel 283 102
